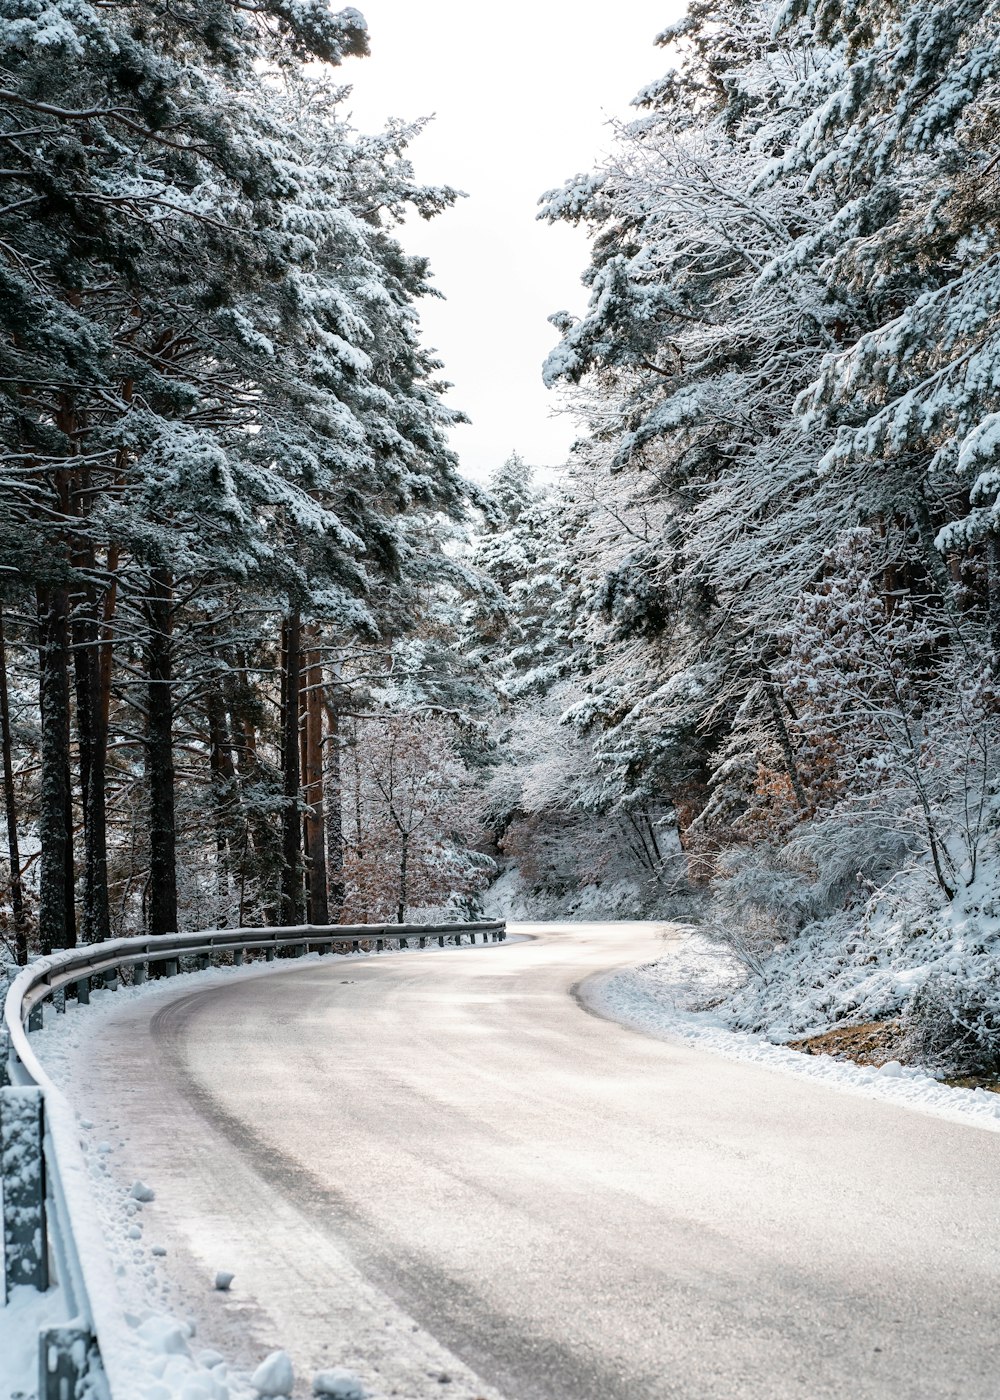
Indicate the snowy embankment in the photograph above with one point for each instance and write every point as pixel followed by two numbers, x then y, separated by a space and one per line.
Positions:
pixel 612 901
pixel 172 1357
pixel 680 996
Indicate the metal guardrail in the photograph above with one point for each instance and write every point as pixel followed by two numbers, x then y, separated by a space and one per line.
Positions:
pixel 48 1221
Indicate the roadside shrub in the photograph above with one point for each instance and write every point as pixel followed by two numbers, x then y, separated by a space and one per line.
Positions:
pixel 954 1022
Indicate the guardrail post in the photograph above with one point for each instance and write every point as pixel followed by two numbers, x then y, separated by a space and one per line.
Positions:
pixel 171 967
pixel 83 991
pixel 36 1018
pixel 237 957
pixel 64 1356
pixel 269 955
pixel 140 971
pixel 22 1171
pixel 404 943
pixel 111 979
pixel 59 1001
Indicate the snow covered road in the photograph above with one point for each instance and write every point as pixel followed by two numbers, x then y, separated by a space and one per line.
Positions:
pixel 413 1159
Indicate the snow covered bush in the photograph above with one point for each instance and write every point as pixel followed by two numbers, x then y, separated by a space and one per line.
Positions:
pixel 954 1018
pixel 929 965
pixel 761 899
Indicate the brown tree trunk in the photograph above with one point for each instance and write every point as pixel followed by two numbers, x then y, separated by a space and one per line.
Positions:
pixel 223 785
pixel 91 724
pixel 333 808
pixel 106 650
pixel 10 805
pixel 359 830
pixel 92 733
pixel 56 914
pixel 404 858
pixel 315 827
pixel 260 841
pixel 162 908
pixel 290 899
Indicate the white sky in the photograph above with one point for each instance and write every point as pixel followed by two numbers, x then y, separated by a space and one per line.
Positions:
pixel 521 96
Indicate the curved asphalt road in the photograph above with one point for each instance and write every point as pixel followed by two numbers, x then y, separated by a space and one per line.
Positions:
pixel 576 1211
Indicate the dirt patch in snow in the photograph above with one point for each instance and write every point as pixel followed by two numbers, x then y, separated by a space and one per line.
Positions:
pixel 871 1043
pixel 878 1043
pixel 990 1082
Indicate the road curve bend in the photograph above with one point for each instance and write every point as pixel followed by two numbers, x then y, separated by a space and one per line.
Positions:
pixel 444 1155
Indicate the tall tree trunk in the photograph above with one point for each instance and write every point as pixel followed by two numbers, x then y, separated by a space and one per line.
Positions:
pixel 333 808
pixel 106 649
pixel 259 831
pixel 359 831
pixel 10 806
pixel 91 727
pixel 92 734
pixel 315 832
pixel 290 906
pixel 56 914
pixel 223 784
pixel 404 860
pixel 162 907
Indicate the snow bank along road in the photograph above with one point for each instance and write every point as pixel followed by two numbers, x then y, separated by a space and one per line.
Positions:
pixel 427 1156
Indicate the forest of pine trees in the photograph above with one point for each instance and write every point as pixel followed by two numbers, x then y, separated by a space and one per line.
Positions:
pixel 225 480
pixel 266 657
